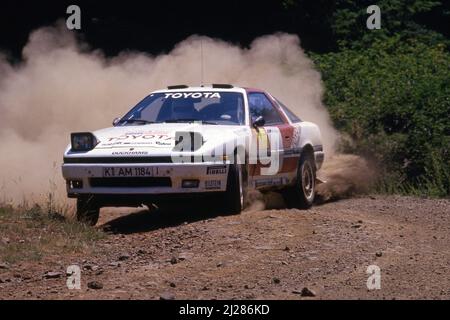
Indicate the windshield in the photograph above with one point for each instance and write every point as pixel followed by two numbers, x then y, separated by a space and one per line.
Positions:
pixel 225 108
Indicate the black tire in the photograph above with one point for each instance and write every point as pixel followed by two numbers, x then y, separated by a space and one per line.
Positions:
pixel 235 196
pixel 87 211
pixel 301 195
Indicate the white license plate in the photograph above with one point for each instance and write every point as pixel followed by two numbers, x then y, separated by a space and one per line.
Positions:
pixel 127 172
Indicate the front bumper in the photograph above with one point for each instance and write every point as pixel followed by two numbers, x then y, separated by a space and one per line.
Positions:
pixel 166 178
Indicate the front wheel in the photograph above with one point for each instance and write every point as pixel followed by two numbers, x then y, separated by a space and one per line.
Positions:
pixel 87 211
pixel 301 195
pixel 234 198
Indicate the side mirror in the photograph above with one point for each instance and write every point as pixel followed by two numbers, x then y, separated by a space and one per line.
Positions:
pixel 259 122
pixel 115 121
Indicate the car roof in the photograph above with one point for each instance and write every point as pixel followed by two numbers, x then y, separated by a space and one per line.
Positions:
pixel 253 90
pixel 209 88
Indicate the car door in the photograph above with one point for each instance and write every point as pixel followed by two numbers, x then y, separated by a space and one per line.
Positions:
pixel 277 126
pixel 290 130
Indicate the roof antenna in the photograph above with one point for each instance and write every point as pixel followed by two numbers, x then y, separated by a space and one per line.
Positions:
pixel 201 58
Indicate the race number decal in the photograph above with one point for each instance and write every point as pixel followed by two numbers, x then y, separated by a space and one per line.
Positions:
pixel 268 141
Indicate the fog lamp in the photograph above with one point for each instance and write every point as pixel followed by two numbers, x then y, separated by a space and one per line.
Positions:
pixel 75 184
pixel 190 183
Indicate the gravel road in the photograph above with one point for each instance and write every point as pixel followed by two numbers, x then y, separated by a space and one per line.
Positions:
pixel 322 253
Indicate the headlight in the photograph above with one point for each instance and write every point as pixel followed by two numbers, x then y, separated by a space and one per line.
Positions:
pixel 83 141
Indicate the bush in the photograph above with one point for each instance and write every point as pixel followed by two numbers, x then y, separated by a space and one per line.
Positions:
pixel 393 100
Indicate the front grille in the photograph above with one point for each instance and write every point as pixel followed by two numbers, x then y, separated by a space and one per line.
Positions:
pixel 119 160
pixel 144 182
pixel 162 159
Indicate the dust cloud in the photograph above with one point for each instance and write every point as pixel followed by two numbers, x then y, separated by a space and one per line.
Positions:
pixel 345 175
pixel 62 85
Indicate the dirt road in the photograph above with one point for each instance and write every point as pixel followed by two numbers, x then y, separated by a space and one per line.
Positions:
pixel 271 254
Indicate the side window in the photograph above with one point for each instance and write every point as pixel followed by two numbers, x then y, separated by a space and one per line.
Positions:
pixel 260 105
pixel 288 112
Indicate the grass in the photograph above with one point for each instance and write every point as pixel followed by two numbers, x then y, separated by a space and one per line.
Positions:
pixel 423 187
pixel 32 233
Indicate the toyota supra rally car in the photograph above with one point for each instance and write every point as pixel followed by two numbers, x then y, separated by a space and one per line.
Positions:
pixel 216 140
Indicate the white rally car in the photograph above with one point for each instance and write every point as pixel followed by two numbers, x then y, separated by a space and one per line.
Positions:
pixel 217 140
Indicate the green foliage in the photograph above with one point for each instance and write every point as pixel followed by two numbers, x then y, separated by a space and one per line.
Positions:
pixel 398 17
pixel 393 100
pixel 345 20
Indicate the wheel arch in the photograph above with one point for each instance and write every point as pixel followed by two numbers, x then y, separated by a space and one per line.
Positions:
pixel 307 150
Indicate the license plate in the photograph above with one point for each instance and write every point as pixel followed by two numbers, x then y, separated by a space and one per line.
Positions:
pixel 127 172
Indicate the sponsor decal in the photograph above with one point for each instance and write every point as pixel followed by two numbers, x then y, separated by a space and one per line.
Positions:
pixel 207 95
pixel 213 184
pixel 130 153
pixel 148 138
pixel 295 142
pixel 294 151
pixel 216 170
pixel 268 182
pixel 163 143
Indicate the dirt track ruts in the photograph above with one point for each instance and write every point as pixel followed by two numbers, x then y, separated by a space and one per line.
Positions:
pixel 269 254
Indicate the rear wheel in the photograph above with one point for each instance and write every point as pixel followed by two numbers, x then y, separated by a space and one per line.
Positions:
pixel 234 198
pixel 301 195
pixel 87 211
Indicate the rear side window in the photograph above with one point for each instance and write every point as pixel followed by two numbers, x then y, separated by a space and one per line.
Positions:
pixel 289 113
pixel 260 105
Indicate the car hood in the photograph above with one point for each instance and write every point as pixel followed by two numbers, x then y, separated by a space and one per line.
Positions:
pixel 155 139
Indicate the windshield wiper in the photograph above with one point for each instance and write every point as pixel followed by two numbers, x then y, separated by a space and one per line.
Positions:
pixel 143 121
pixel 191 120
